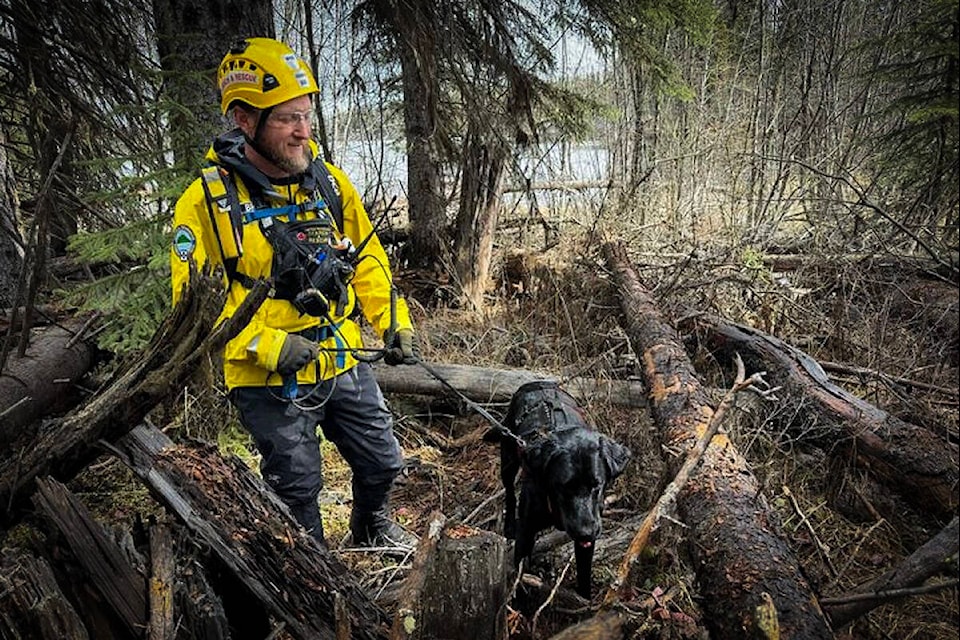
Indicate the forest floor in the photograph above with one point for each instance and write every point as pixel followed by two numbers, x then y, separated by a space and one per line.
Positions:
pixel 557 314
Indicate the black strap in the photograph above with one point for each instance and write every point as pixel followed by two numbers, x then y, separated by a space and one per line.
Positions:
pixel 323 181
pixel 317 177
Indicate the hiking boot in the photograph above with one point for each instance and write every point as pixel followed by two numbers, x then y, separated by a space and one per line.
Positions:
pixel 377 530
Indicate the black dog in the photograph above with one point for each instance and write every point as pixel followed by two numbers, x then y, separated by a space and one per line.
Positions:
pixel 566 466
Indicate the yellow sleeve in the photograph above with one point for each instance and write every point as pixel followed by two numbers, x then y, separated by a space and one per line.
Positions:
pixel 373 279
pixel 192 238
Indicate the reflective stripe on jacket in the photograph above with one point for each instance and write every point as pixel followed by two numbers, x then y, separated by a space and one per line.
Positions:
pixel 252 355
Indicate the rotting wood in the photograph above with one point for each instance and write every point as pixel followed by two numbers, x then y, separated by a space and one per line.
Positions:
pixel 909 460
pixel 202 616
pixel 31 602
pixel 407 616
pixel 233 513
pixel 162 568
pixel 742 561
pixel 937 557
pixel 109 571
pixel 605 626
pixel 183 340
pixel 465 592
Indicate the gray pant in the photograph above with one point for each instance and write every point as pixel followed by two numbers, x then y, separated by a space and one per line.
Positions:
pixel 354 417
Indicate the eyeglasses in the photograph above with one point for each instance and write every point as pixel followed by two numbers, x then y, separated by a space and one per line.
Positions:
pixel 291 118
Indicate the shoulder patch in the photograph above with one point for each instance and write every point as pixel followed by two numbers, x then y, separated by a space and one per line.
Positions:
pixel 184 242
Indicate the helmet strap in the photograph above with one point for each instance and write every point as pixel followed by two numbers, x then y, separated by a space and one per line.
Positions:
pixel 254 142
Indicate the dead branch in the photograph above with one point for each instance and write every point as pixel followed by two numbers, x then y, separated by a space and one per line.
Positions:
pixel 616 589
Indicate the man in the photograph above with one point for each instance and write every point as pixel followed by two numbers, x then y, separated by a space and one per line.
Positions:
pixel 269 207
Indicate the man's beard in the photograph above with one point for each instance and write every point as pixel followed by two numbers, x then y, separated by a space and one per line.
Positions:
pixel 291 166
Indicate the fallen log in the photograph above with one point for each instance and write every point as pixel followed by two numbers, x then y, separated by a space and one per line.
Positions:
pixel 909 460
pixel 233 513
pixel 184 339
pixel 43 381
pixel 937 557
pixel 742 562
pixel 482 384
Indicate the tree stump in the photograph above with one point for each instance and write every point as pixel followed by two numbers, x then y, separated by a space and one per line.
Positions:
pixel 465 592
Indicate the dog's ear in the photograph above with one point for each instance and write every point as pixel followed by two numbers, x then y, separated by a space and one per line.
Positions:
pixel 614 455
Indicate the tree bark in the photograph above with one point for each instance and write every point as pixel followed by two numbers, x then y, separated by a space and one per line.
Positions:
pixel 483 167
pixel 185 48
pixel 465 594
pixel 240 520
pixel 181 342
pixel 937 556
pixel 11 242
pixel 742 563
pixel 42 382
pixel 910 460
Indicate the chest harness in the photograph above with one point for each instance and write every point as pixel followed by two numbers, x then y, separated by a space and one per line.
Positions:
pixel 311 265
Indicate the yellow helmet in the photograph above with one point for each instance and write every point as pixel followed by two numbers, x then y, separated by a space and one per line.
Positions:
pixel 262 72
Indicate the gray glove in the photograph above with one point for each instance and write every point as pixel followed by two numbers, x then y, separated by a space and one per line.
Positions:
pixel 295 353
pixel 403 349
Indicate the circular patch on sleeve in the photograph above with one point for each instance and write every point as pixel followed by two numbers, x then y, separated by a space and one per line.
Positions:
pixel 184 242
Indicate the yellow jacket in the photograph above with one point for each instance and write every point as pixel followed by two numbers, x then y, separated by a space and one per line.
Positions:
pixel 250 358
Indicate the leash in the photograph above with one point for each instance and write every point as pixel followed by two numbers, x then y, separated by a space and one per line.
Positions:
pixel 504 431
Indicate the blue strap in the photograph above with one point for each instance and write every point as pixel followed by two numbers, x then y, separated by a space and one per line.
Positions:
pixel 321 333
pixel 289 210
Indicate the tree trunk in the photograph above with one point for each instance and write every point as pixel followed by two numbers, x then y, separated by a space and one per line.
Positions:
pixel 464 596
pixel 483 166
pixel 182 341
pixel 31 602
pixel 11 242
pixel 240 520
pixel 907 459
pixel 189 57
pixel 415 40
pixel 42 382
pixel 746 571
